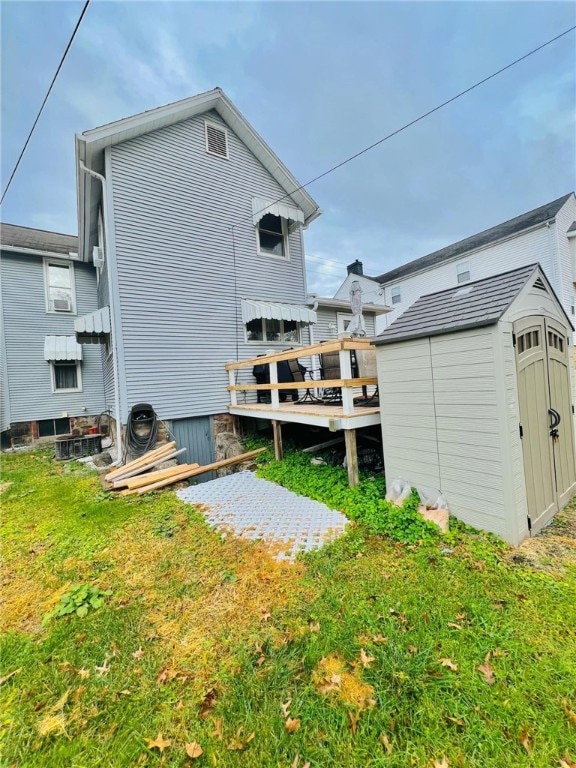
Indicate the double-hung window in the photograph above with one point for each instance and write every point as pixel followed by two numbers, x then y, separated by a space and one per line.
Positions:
pixel 272 236
pixel 396 294
pixel 66 376
pixel 59 281
pixel 463 272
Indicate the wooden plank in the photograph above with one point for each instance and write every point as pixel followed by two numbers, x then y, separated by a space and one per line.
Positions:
pixel 308 384
pixel 195 472
pixel 152 477
pixel 140 460
pixel 277 430
pixel 293 354
pixel 326 444
pixel 351 457
pixel 145 467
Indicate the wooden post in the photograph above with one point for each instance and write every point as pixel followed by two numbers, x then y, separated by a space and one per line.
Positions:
pixel 346 373
pixel 277 429
pixel 233 393
pixel 274 393
pixel 351 456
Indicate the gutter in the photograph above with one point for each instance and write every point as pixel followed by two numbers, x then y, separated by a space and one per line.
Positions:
pixel 113 318
pixel 70 256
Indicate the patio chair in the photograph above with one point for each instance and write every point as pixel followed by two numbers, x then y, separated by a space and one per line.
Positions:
pixel 366 364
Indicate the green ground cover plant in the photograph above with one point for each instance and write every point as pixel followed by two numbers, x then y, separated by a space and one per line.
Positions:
pixel 372 652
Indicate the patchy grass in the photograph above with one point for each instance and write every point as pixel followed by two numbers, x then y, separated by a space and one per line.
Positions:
pixel 368 653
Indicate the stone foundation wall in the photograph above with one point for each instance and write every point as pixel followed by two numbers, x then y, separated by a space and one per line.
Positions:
pixel 26 433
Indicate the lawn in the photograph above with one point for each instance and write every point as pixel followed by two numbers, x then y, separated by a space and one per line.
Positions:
pixel 206 651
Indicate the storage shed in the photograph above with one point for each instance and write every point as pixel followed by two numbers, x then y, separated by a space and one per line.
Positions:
pixel 476 401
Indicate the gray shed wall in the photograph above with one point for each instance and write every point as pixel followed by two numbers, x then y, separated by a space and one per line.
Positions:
pixel 26 323
pixel 180 279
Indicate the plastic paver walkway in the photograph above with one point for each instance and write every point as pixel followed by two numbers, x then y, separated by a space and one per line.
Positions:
pixel 253 508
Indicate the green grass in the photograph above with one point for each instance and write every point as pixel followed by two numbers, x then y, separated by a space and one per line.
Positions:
pixel 224 636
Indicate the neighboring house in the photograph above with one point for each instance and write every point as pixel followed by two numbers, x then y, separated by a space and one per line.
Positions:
pixel 195 228
pixel 333 317
pixel 50 384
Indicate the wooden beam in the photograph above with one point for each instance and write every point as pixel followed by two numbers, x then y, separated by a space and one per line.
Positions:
pixel 184 475
pixel 152 477
pixel 293 354
pixel 166 448
pixel 326 444
pixel 308 384
pixel 351 457
pixel 277 430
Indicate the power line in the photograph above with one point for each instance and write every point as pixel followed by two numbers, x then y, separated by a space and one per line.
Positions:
pixel 421 117
pixel 84 9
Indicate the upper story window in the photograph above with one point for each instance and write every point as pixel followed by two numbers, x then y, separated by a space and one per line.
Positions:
pixel 396 295
pixel 463 272
pixel 272 235
pixel 216 139
pixel 60 289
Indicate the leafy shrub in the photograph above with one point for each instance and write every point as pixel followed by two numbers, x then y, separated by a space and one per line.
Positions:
pixel 78 600
pixel 365 503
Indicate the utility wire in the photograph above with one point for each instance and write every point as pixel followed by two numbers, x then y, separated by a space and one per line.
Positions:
pixel 421 117
pixel 84 9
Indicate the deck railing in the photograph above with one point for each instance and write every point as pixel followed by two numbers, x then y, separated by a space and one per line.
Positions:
pixel 346 383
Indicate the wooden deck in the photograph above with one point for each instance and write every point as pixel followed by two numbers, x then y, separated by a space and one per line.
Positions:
pixel 330 416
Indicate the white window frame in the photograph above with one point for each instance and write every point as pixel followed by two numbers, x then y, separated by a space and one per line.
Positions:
pixel 394 295
pixel 463 268
pixel 286 238
pixel 220 128
pixel 78 376
pixel 341 318
pixel 273 343
pixel 59 263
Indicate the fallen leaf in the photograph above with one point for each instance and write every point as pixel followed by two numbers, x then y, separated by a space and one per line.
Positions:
pixel 450 664
pixel 526 740
pixel 412 649
pixel 314 627
pixel 443 764
pixel 208 703
pixel 454 625
pixel 486 670
pixel 193 750
pixel 265 616
pixel 379 639
pixel 353 717
pixel 365 658
pixel 456 720
pixel 8 676
pixel 138 654
pixel 158 743
pixel 570 714
pixel 260 660
pixel 115 649
pixel 239 742
pixel 292 725
pixel 104 669
pixel 286 708
pixel 567 762
pixel 125 692
pixel 218 731
pixel 460 616
pixel 52 724
pixel 83 673
pixel 60 703
pixel 385 741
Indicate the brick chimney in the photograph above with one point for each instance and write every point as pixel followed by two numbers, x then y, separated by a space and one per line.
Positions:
pixel 355 268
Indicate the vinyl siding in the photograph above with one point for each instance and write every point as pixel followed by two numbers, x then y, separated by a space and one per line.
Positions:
pixel 327 315
pixel 566 262
pixel 103 296
pixel 537 245
pixel 26 325
pixel 4 394
pixel 181 275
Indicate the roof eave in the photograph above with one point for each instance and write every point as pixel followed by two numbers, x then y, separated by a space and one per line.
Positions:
pixel 40 252
pixel 381 341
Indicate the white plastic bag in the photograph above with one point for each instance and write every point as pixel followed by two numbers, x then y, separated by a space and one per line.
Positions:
pixel 432 498
pixel 398 491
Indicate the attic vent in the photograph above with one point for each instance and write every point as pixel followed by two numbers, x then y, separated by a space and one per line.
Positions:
pixel 539 283
pixel 216 140
pixel 464 291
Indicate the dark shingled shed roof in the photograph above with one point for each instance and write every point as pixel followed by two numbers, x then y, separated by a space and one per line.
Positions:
pixel 500 231
pixel 37 240
pixel 471 305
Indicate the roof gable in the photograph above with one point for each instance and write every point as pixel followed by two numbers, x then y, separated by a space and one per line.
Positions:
pixel 471 305
pixel 488 236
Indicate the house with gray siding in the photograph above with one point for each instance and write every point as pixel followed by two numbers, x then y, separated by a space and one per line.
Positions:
pixel 50 384
pixel 194 228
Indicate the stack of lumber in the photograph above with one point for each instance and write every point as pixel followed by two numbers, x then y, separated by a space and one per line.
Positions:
pixel 136 477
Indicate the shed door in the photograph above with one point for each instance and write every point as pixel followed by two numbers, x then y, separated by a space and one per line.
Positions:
pixel 546 417
pixel 560 402
pixel 195 434
pixel 534 402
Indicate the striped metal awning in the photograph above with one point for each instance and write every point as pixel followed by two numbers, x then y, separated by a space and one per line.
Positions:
pixel 61 348
pixel 264 205
pixel 254 310
pixel 93 328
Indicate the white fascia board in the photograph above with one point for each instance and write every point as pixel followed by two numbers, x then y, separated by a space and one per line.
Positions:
pixel 37 252
pixel 376 309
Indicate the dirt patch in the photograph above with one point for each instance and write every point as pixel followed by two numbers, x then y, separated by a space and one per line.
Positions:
pixel 4 487
pixel 553 548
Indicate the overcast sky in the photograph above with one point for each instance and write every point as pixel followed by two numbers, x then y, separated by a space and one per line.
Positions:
pixel 318 81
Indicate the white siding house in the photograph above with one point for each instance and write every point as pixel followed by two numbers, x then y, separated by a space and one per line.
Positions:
pixel 200 228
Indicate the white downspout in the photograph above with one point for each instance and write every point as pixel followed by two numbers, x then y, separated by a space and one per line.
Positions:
pixel 102 181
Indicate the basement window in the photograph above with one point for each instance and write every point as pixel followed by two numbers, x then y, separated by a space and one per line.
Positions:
pixel 216 140
pixel 463 272
pixel 53 427
pixel 396 295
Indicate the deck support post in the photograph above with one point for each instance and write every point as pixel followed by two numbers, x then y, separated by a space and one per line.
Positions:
pixel 277 430
pixel 351 457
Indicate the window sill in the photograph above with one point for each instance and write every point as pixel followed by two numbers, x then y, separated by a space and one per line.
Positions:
pixel 64 314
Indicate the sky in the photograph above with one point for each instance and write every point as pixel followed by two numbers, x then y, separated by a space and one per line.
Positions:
pixel 319 81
